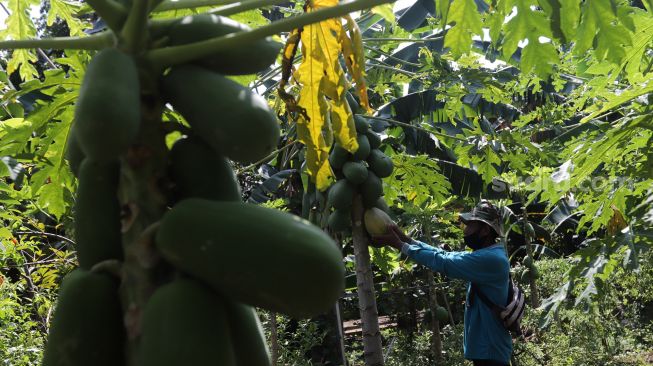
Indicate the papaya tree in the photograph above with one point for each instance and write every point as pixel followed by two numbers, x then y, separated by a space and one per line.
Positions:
pixel 137 263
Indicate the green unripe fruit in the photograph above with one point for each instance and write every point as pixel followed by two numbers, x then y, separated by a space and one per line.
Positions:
pixel 293 267
pixel 528 261
pixel 74 153
pixel 382 205
pixel 363 148
pixel 355 172
pixel 380 164
pixel 338 156
pixel 362 126
pixel 227 116
pixel 108 110
pixel 371 190
pixel 240 59
pixel 339 220
pixel 199 172
pixel 97 213
pixel 87 327
pixel 441 313
pixel 353 104
pixel 250 345
pixel 526 276
pixel 341 195
pixel 185 323
pixel 374 139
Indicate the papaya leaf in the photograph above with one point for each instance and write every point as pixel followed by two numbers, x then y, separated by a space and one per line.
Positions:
pixel 322 98
pixel 20 26
pixel 466 23
pixel 599 26
pixel 66 11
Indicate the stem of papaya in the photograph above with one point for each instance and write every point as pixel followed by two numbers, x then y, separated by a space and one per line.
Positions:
pixel 188 4
pixel 170 56
pixel 113 13
pixel 94 42
pixel 135 32
pixel 242 6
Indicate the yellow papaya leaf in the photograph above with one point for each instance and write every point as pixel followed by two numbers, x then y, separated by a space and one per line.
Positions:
pixel 323 115
pixel 355 59
pixel 343 123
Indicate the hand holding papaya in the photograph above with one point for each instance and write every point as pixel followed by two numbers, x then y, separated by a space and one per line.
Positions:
pixel 394 237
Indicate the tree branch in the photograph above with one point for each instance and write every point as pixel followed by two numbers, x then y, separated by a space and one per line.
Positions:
pixel 272 155
pixel 408 125
pixel 188 4
pixel 94 42
pixel 112 12
pixel 170 56
pixel 39 233
pixel 135 31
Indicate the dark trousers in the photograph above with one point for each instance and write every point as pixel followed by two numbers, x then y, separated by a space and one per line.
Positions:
pixel 488 363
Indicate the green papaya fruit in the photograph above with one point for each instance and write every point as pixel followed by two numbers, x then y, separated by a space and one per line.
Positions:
pixel 97 213
pixel 374 139
pixel 380 163
pixel 355 172
pixel 362 126
pixel 74 153
pixel 87 327
pixel 528 261
pixel 382 205
pixel 371 190
pixel 353 103
pixel 526 276
pixel 339 220
pixel 338 156
pixel 250 345
pixel 242 59
pixel 255 255
pixel 376 221
pixel 441 313
pixel 199 172
pixel 341 195
pixel 363 148
pixel 107 113
pixel 231 119
pixel 185 323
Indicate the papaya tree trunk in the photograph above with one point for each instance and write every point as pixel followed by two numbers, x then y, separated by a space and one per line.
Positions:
pixel 143 169
pixel 372 347
pixel 535 296
pixel 436 340
pixel 274 338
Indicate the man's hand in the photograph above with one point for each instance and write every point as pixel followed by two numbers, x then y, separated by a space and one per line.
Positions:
pixel 393 238
pixel 405 238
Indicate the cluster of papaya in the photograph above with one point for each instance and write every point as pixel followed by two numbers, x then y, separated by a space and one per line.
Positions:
pixel 226 257
pixel 360 172
pixel 530 271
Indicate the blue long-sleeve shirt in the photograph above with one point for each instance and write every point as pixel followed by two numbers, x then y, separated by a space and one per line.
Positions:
pixel 485 338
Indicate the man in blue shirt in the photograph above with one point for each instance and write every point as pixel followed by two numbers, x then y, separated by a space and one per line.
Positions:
pixel 486 341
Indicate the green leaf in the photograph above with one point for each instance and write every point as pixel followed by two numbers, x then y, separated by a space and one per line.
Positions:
pixel 20 26
pixel 467 22
pixel 385 11
pixel 599 27
pixel 569 18
pixel 539 58
pixel 65 11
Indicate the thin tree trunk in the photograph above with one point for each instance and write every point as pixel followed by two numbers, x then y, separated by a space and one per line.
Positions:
pixel 274 338
pixel 341 334
pixel 372 347
pixel 436 341
pixel 535 296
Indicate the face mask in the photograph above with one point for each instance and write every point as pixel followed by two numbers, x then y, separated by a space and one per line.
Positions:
pixel 474 241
